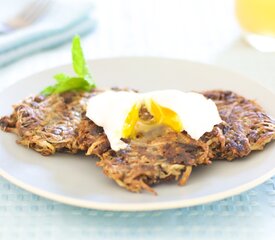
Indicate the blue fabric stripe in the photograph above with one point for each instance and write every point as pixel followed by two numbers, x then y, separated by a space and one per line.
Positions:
pixel 38 36
pixel 91 24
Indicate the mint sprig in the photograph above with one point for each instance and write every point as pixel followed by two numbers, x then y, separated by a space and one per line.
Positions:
pixel 83 80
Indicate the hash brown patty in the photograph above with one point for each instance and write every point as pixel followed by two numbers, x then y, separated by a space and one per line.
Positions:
pixel 245 128
pixel 55 124
pixel 58 124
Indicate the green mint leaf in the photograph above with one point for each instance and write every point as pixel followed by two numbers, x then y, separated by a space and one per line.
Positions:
pixel 82 82
pixel 79 62
pixel 48 91
pixel 61 77
pixel 74 83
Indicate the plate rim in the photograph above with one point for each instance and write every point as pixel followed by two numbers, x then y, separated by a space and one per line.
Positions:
pixel 136 207
pixel 133 207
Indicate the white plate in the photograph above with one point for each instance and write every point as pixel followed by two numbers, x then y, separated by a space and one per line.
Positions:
pixel 75 179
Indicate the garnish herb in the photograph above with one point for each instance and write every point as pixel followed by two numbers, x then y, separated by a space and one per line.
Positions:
pixel 83 80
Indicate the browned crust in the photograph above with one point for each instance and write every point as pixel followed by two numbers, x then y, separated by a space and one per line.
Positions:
pixel 55 124
pixel 246 126
pixel 145 163
pixel 58 124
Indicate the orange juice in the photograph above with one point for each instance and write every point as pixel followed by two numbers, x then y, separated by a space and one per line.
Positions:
pixel 257 16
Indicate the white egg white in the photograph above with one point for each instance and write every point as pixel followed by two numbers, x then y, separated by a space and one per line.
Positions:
pixel 111 108
pixel 197 114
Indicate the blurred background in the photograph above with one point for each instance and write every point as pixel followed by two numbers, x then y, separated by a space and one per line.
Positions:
pixel 200 30
pixel 234 34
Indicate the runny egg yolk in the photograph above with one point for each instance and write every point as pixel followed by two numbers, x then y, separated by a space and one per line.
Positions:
pixel 161 116
pixel 164 116
pixel 130 122
pixel 129 115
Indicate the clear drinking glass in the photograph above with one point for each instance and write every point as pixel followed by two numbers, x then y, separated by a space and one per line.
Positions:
pixel 257 19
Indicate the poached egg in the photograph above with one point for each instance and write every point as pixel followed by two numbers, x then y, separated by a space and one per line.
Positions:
pixel 118 112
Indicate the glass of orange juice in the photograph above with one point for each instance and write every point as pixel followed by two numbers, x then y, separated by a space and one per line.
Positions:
pixel 257 19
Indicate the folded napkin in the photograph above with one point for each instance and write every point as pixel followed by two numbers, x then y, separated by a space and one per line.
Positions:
pixel 60 23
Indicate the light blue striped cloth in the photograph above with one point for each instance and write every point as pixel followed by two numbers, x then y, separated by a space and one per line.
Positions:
pixel 63 20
